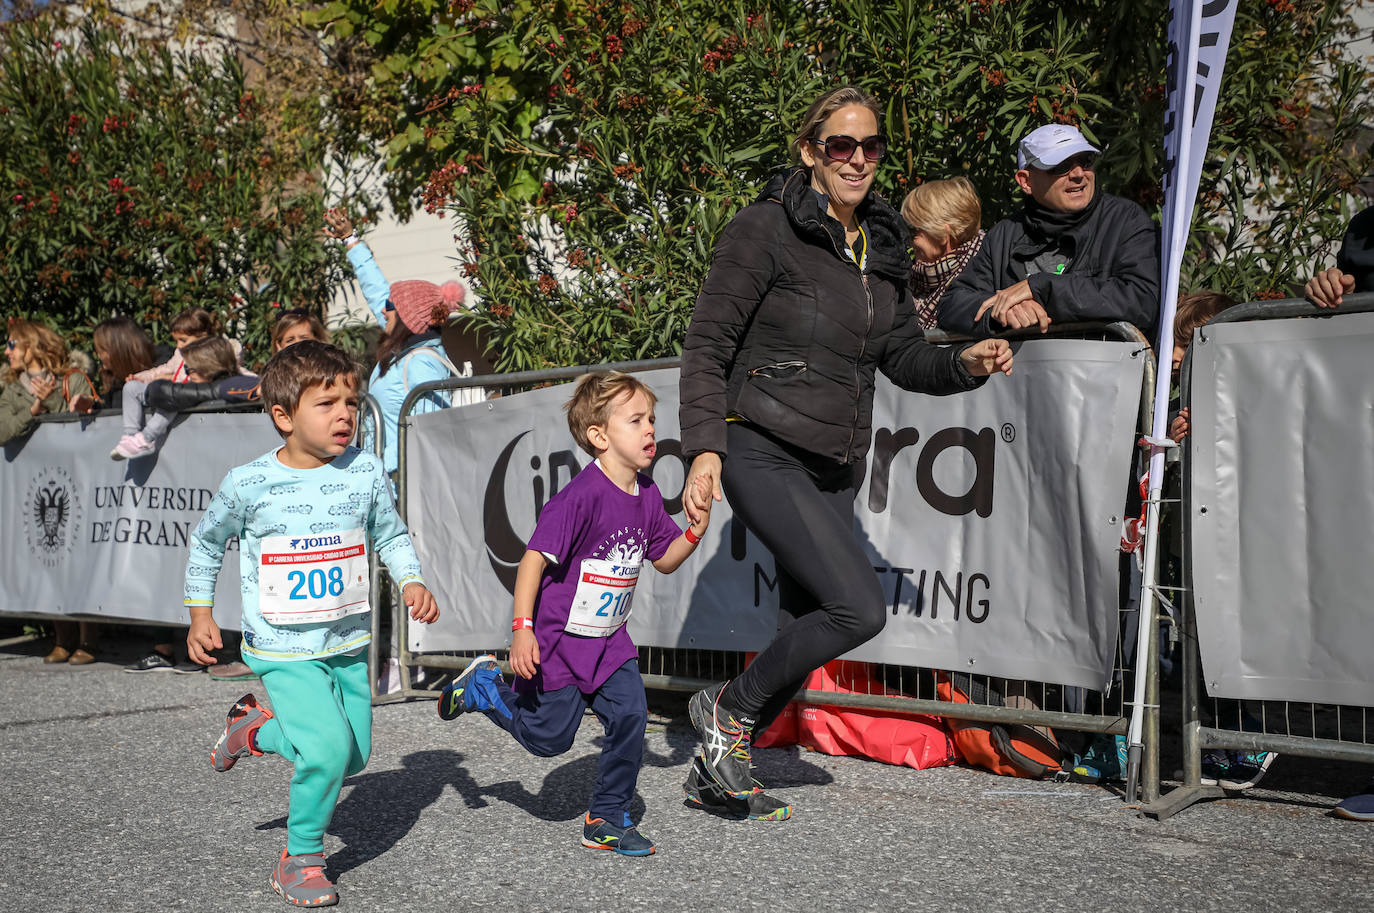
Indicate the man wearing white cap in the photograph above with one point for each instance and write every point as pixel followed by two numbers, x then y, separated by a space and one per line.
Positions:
pixel 1071 253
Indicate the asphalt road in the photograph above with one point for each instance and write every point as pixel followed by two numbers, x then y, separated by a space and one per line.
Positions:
pixel 110 804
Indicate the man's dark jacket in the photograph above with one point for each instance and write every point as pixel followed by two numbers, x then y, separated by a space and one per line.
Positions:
pixel 1357 250
pixel 1114 273
pixel 788 333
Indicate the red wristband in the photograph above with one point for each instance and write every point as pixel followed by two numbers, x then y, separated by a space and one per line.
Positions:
pixel 520 624
pixel 691 536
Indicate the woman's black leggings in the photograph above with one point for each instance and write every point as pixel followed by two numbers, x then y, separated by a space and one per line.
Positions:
pixel 801 506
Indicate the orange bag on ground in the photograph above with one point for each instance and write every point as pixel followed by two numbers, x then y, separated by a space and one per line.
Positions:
pixel 1012 750
pixel 909 739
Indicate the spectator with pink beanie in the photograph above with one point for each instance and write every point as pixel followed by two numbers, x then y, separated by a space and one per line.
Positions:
pixel 411 313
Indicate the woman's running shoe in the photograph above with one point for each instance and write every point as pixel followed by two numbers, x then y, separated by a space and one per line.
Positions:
pixel 725 742
pixel 704 793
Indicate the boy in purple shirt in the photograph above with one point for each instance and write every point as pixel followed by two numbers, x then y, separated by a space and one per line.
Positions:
pixel 573 595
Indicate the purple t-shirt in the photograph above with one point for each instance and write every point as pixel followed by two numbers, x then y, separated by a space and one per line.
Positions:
pixel 591 518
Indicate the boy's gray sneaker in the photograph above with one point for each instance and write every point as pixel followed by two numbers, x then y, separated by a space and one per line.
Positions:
pixel 240 725
pixel 300 881
pixel 725 742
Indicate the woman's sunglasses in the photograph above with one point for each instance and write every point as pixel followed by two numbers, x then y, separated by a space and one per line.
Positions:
pixel 389 306
pixel 10 344
pixel 840 148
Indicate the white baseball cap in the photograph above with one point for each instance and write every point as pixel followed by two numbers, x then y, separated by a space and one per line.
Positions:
pixel 1047 146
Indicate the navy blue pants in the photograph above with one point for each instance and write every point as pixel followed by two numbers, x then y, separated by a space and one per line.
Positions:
pixel 546 722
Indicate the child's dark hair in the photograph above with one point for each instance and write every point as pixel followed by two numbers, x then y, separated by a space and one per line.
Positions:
pixel 297 368
pixel 293 318
pixel 593 399
pixel 1196 309
pixel 212 358
pixel 127 348
pixel 194 322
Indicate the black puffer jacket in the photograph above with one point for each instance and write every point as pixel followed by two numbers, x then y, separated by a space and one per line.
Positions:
pixel 174 397
pixel 788 332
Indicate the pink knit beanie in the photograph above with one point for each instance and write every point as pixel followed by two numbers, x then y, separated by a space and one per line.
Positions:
pixel 422 305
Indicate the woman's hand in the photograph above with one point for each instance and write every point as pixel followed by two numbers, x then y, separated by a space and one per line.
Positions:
pixel 337 224
pixel 987 356
pixel 698 495
pixel 42 389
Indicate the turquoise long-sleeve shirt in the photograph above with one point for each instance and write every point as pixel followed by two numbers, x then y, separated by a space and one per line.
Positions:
pixel 308 520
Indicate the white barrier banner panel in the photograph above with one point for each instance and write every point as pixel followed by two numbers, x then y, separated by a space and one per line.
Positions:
pixel 993 520
pixel 1280 506
pixel 85 534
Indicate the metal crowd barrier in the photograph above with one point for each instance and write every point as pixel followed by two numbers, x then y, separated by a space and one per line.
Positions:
pixel 1304 729
pixel 691 669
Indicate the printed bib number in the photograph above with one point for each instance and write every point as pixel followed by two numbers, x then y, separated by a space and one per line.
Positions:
pixel 601 605
pixel 310 579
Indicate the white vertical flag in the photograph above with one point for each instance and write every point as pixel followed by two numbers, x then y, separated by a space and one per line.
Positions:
pixel 1199 34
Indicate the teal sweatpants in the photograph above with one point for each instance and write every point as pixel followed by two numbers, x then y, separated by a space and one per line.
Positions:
pixel 322 724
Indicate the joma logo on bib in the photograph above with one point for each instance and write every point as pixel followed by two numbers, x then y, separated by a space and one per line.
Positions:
pixel 317 542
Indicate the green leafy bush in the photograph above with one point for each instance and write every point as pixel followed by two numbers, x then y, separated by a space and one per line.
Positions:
pixel 140 181
pixel 591 150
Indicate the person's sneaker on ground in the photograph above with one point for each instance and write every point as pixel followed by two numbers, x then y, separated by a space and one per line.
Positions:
pixel 725 742
pixel 300 881
pixel 1357 808
pixel 625 839
pixel 230 672
pixel 132 446
pixel 1216 764
pixel 153 662
pixel 704 793
pixel 1246 769
pixel 240 728
pixel 187 667
pixel 471 690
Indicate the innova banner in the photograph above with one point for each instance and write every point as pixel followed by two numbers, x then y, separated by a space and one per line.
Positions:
pixel 1281 466
pixel 992 518
pixel 85 534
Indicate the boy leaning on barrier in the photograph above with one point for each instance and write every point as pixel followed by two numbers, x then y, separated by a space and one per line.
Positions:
pixel 304 515
pixel 573 593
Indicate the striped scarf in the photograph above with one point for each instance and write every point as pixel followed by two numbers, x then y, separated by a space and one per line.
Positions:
pixel 929 280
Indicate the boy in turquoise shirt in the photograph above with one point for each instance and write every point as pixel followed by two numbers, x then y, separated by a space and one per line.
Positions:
pixel 304 515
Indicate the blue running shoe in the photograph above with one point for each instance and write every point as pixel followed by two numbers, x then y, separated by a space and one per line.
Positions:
pixel 464 693
pixel 600 834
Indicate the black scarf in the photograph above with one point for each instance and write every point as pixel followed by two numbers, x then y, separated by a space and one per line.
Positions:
pixel 1047 225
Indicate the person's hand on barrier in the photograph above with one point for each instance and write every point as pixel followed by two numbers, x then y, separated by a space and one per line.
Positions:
pixel 203 636
pixel 1026 314
pixel 697 503
pixel 84 404
pixel 1180 426
pixel 1002 302
pixel 420 601
pixel 987 356
pixel 524 653
pixel 1326 288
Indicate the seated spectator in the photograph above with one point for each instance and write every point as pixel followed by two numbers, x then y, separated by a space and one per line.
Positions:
pixel 944 217
pixel 122 348
pixel 40 378
pixel 141 439
pixel 1071 253
pixel 1354 269
pixel 212 373
pixel 295 325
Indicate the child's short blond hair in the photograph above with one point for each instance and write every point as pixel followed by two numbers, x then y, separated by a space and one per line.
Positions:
pixel 593 399
pixel 947 210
